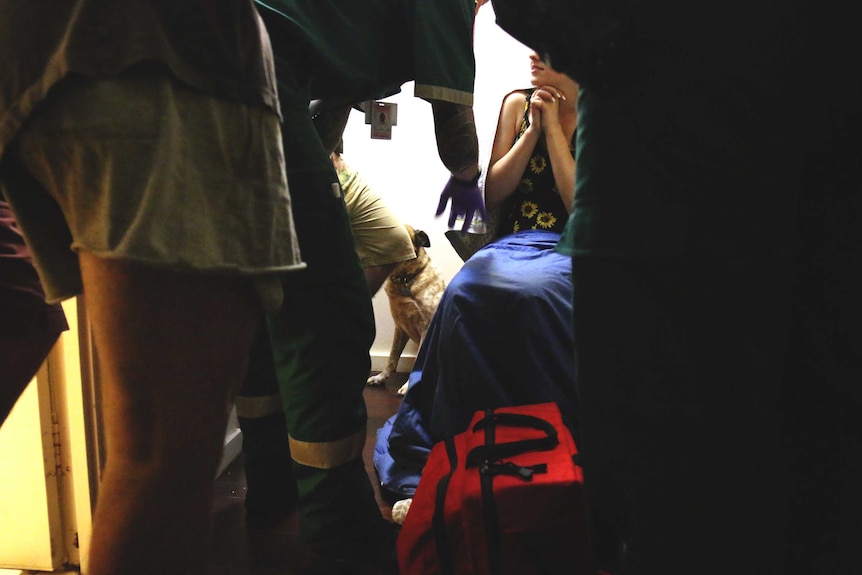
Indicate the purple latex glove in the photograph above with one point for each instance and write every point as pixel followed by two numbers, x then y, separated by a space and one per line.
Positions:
pixel 466 200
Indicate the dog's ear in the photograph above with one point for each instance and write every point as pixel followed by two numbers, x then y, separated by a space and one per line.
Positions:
pixel 421 239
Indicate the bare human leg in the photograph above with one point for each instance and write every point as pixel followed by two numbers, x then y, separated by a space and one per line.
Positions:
pixel 172 351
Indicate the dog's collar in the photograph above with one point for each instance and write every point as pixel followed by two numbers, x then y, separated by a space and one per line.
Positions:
pixel 406 278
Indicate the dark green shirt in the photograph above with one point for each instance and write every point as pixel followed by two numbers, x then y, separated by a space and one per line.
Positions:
pixel 364 49
pixel 683 150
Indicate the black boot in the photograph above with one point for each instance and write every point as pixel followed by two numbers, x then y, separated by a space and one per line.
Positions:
pixel 341 523
pixel 271 487
pixel 272 491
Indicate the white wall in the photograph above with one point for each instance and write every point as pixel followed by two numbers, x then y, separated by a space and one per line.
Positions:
pixel 406 170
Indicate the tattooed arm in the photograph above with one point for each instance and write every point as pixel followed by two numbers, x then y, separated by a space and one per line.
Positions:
pixel 457 143
pixel 330 121
pixel 458 147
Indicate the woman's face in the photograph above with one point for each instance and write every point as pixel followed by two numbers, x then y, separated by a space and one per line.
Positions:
pixel 541 74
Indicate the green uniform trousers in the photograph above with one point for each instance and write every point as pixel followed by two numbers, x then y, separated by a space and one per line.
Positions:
pixel 320 341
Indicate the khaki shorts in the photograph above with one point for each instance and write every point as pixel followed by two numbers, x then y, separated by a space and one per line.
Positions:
pixel 141 168
pixel 380 236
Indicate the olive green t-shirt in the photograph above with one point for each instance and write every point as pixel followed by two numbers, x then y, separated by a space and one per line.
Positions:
pixel 220 48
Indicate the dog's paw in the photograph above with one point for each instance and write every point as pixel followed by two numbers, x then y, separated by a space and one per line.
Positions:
pixel 403 389
pixel 379 379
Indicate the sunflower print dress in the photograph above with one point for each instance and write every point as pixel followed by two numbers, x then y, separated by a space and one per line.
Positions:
pixel 535 204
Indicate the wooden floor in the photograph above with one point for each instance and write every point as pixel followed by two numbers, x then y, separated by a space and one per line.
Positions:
pixel 237 549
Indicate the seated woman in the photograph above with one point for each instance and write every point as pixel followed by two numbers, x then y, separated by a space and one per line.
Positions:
pixel 502 334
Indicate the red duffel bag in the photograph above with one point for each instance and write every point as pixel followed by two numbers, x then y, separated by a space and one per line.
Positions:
pixel 504 497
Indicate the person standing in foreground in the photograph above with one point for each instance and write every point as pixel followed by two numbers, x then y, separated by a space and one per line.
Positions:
pixel 141 157
pixel 381 242
pixel 717 240
pixel 342 53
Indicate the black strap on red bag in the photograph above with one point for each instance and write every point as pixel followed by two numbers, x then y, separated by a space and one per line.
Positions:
pixel 497 451
pixel 438 522
pixel 488 458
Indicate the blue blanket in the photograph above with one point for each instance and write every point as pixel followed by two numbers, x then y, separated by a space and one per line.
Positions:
pixel 502 335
